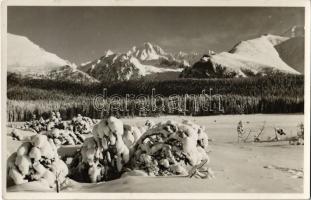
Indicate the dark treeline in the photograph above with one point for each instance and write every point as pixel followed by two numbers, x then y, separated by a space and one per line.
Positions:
pixel 278 85
pixel 277 94
pixel 22 110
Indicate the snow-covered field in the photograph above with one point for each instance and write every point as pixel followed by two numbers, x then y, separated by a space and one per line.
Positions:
pixel 275 167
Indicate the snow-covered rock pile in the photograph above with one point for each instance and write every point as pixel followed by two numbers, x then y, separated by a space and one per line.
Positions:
pixel 103 156
pixel 171 148
pixel 37 161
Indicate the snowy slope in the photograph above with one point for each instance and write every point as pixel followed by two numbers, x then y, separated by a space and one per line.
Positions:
pixel 26 57
pixel 292 52
pixel 252 57
pixel 30 60
pixel 190 58
pixel 70 73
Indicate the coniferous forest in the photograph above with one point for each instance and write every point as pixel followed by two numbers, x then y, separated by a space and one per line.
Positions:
pixel 197 97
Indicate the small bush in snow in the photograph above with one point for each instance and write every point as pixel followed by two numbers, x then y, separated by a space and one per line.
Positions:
pixel 103 156
pixel 37 161
pixel 171 148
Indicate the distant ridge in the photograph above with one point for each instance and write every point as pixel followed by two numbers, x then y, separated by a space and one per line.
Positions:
pixel 253 57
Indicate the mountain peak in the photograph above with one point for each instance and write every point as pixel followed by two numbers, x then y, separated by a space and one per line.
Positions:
pixel 147 51
pixel 148 44
pixel 108 53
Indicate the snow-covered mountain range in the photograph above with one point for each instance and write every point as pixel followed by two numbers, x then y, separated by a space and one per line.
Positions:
pixel 257 56
pixel 30 60
pixel 148 60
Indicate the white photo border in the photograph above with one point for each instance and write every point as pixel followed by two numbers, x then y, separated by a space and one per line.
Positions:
pixel 164 3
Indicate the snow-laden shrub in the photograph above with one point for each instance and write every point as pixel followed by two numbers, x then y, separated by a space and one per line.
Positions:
pixel 171 148
pixel 82 125
pixel 65 137
pixel 103 156
pixel 61 132
pixel 299 139
pixel 37 161
pixel 168 148
pixel 38 125
pixel 79 124
pixel 16 135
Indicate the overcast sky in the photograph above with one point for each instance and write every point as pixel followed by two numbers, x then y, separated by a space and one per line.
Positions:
pixel 80 34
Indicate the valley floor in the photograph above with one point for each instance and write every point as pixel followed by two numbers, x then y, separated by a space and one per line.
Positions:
pixel 274 167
